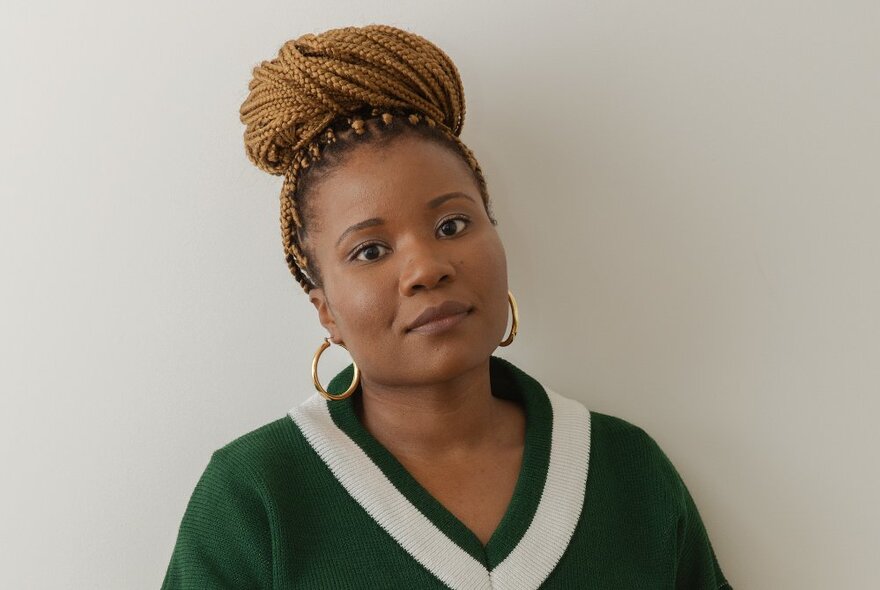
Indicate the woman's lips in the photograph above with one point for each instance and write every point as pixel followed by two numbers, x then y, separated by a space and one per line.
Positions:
pixel 445 309
pixel 441 324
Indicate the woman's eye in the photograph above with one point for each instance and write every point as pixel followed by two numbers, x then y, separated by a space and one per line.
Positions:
pixel 369 252
pixel 450 227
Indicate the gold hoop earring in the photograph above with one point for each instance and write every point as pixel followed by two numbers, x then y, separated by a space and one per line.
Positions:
pixel 354 382
pixel 515 324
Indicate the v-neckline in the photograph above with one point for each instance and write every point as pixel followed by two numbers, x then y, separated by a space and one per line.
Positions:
pixel 506 382
pixel 539 521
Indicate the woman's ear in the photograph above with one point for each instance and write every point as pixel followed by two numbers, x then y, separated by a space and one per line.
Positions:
pixel 325 314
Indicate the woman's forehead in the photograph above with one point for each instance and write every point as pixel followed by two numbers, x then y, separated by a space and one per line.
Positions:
pixel 406 173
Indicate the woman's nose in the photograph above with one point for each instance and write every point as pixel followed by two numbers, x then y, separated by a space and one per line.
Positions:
pixel 426 267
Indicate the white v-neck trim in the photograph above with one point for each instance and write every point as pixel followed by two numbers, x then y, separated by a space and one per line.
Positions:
pixel 538 551
pixel 558 512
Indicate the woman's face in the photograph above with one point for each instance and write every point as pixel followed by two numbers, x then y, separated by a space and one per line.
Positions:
pixel 396 230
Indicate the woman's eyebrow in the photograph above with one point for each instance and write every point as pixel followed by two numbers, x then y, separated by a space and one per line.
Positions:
pixel 374 221
pixel 371 222
pixel 437 201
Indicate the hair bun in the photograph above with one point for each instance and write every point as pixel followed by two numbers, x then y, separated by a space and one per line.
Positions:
pixel 319 77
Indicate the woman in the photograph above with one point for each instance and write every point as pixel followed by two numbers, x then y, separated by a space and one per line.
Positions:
pixel 428 462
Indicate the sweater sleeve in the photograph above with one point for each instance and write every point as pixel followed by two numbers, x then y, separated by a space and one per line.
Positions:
pixel 224 539
pixel 697 565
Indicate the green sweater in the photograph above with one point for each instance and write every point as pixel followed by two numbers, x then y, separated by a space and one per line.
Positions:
pixel 313 500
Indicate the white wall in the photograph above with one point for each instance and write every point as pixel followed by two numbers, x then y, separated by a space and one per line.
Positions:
pixel 688 194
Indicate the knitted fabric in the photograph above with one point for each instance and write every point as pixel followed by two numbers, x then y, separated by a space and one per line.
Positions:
pixel 313 500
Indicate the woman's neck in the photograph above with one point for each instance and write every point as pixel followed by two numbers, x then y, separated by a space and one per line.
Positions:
pixel 439 420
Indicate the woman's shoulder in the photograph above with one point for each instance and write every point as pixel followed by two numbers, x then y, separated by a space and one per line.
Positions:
pixel 270 434
pixel 618 446
pixel 624 432
pixel 627 449
pixel 621 430
pixel 274 447
pixel 606 425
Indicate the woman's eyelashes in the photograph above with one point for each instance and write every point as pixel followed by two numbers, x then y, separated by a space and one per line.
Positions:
pixel 370 250
pixel 449 222
pixel 447 228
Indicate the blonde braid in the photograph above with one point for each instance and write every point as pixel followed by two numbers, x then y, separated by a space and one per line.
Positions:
pixel 336 85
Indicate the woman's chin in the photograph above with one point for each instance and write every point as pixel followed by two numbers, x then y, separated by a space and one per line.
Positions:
pixel 433 367
pixel 448 359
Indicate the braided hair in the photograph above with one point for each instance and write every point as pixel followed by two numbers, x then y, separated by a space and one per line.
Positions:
pixel 326 93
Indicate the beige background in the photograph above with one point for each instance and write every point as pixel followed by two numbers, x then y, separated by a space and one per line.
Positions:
pixel 688 194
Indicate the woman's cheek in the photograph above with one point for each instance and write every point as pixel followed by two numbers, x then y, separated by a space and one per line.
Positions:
pixel 372 304
pixel 492 259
